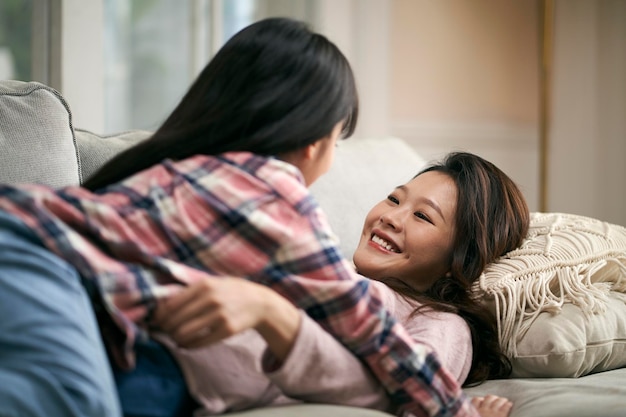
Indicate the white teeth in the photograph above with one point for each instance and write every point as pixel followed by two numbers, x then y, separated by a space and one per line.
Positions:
pixel 382 242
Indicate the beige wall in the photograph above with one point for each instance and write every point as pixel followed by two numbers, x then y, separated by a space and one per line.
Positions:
pixel 465 61
pixel 465 76
pixel 587 150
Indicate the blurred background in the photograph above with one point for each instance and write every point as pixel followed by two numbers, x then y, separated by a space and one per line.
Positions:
pixel 536 86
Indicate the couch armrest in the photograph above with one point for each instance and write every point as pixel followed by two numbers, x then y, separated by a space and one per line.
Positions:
pixel 36 137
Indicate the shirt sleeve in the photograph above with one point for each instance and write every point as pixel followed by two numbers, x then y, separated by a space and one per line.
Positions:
pixel 311 272
pixel 449 336
pixel 446 333
pixel 320 369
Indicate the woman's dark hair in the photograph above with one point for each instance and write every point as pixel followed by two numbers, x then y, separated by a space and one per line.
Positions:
pixel 274 87
pixel 492 218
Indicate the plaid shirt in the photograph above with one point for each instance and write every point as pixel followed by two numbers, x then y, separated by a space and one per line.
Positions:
pixel 236 214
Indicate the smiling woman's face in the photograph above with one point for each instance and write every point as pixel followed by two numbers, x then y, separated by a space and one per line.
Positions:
pixel 409 235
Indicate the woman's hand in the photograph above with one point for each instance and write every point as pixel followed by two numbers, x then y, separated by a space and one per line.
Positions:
pixel 492 406
pixel 213 309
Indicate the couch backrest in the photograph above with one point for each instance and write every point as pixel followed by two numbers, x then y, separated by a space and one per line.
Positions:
pixel 365 171
pixel 94 149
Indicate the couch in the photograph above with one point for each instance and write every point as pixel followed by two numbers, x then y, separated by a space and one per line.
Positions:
pixel 568 347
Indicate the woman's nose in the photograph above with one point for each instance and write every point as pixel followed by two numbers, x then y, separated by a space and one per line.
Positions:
pixel 393 219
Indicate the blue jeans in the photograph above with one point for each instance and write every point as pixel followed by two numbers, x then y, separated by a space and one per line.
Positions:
pixel 156 386
pixel 52 360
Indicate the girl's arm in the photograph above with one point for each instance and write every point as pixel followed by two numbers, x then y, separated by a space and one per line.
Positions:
pixel 213 309
pixel 302 359
pixel 320 369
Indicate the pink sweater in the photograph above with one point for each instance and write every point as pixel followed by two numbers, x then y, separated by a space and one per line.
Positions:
pixel 240 373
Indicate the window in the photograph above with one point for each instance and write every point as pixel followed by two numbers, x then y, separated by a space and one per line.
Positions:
pixel 153 49
pixel 124 64
pixel 15 39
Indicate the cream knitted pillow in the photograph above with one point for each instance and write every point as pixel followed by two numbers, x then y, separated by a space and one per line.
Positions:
pixel 560 299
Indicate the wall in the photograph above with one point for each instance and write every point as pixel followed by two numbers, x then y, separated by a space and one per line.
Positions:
pixel 361 29
pixel 465 76
pixel 587 134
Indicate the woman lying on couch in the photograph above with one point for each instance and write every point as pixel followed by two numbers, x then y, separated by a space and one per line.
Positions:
pixel 413 246
pixel 219 189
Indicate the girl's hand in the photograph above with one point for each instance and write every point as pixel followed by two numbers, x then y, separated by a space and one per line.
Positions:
pixel 213 309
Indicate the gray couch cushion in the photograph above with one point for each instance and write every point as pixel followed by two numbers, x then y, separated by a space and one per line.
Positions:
pixel 364 172
pixel 310 410
pixel 94 150
pixel 36 138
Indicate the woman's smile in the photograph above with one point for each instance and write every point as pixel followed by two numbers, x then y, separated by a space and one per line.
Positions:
pixel 380 241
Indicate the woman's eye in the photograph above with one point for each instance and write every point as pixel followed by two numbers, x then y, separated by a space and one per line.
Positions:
pixel 393 199
pixel 422 216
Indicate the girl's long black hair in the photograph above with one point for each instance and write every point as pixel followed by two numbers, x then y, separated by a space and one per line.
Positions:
pixel 274 87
